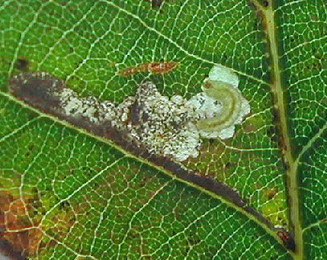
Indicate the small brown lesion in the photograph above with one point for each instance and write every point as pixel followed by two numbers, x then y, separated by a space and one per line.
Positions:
pixel 20 228
pixel 272 193
pixel 155 4
pixel 287 239
pixel 13 218
pixel 249 128
pixel 258 3
pixel 22 64
pixel 265 3
pixel 258 8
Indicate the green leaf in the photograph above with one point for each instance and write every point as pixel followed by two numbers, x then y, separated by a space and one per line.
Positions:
pixel 71 189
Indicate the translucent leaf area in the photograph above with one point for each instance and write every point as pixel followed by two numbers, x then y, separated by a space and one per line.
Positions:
pixel 74 189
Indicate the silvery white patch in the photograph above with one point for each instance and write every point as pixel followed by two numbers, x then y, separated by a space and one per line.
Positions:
pixel 163 125
pixel 221 73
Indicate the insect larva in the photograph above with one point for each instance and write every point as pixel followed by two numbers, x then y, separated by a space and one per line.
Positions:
pixel 153 67
pixel 161 67
pixel 129 71
pixel 230 99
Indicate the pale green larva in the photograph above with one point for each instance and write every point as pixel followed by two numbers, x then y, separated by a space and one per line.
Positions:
pixel 230 99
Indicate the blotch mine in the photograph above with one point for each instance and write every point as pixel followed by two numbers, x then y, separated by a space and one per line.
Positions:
pixel 163 126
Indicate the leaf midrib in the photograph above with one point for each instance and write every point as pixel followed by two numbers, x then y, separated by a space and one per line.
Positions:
pixel 295 225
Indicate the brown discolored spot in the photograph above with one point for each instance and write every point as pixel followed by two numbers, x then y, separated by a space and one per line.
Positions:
pixel 229 165
pixel 22 64
pixel 272 193
pixel 287 239
pixel 161 67
pixel 275 115
pixel 265 3
pixel 261 19
pixel 20 230
pixel 63 222
pixel 155 3
pixel 13 217
pixel 249 128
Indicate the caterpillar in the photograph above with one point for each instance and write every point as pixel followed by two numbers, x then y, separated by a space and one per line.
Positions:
pixel 229 97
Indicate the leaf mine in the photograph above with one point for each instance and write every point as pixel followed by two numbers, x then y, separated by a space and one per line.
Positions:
pixel 148 125
pixel 169 127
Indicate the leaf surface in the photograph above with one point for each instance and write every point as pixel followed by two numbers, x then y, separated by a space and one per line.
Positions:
pixel 68 192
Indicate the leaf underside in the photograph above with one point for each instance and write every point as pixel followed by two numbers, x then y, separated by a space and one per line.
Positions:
pixel 68 192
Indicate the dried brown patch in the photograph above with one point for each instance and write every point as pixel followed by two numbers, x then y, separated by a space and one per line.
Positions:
pixel 63 223
pixel 22 64
pixel 155 3
pixel 22 237
pixel 272 193
pixel 13 218
pixel 35 89
pixel 249 128
pixel 287 239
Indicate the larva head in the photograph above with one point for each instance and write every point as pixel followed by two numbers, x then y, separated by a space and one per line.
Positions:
pixel 213 87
